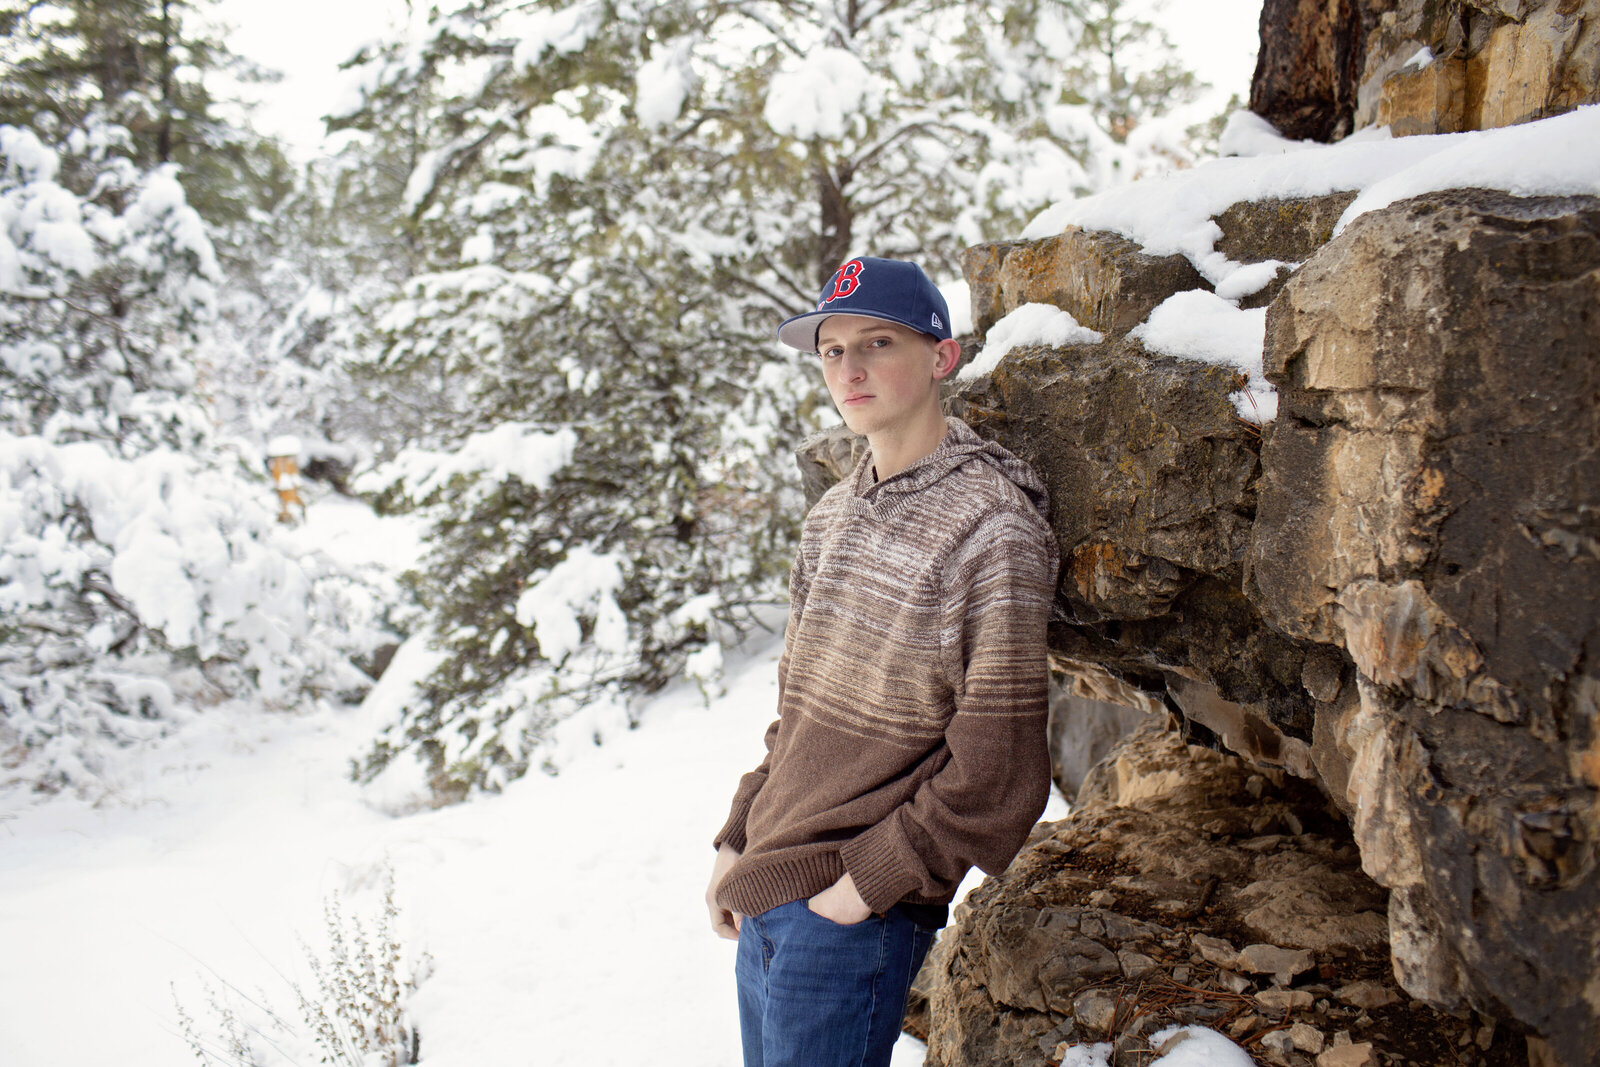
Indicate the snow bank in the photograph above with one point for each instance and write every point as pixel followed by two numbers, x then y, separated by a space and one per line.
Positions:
pixel 1171 214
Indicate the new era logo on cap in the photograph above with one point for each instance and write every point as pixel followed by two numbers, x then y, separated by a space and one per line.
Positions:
pixel 890 289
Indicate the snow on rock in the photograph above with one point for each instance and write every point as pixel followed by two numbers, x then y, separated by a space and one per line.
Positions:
pixel 1030 324
pixel 1171 213
pixel 1177 1046
pixel 1203 326
pixel 1421 60
pixel 1557 156
pixel 820 95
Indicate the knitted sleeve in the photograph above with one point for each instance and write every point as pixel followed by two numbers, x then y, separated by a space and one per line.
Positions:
pixel 977 809
pixel 733 831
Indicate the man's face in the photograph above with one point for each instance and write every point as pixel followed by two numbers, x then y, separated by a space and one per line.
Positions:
pixel 880 374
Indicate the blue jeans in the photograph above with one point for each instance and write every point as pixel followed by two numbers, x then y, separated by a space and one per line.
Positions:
pixel 813 993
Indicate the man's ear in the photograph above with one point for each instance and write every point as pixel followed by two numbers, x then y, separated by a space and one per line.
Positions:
pixel 949 353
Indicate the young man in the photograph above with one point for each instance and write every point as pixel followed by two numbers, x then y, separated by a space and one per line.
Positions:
pixel 910 739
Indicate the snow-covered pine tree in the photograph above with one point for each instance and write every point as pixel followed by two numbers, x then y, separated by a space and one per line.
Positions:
pixel 617 201
pixel 141 573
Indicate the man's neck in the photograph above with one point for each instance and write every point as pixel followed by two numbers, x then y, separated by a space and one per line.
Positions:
pixel 893 453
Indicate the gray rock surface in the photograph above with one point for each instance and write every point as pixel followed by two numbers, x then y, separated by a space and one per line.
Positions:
pixel 1430 502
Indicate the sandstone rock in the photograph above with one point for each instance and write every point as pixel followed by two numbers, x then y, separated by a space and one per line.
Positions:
pixel 826 457
pixel 1454 554
pixel 1542 64
pixel 1095 1011
pixel 1496 63
pixel 1280 1042
pixel 1029 956
pixel 981 264
pixel 1102 279
pixel 1146 463
pixel 1246 729
pixel 1365 995
pixel 1430 100
pixel 1284 1000
pixel 1108 426
pixel 1216 950
pixel 1283 964
pixel 1348 1056
pixel 1307 1038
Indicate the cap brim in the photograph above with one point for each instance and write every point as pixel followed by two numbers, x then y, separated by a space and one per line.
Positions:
pixel 801 331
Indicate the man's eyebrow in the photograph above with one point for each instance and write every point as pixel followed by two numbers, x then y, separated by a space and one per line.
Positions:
pixel 825 339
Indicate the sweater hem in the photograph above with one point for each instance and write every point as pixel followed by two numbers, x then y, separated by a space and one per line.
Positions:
pixel 772 884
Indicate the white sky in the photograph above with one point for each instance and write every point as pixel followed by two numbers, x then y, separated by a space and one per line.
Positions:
pixel 307 39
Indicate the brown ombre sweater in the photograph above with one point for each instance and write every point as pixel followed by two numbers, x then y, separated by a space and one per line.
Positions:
pixel 910 739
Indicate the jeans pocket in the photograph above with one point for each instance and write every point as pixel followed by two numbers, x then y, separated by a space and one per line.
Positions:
pixel 806 906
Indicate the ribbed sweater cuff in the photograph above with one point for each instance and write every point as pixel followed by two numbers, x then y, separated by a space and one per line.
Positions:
pixel 876 860
pixel 732 832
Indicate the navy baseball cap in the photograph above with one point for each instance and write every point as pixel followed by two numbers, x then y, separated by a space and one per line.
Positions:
pixel 894 290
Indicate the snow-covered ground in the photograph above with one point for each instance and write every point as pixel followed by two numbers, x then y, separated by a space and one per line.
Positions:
pixel 563 917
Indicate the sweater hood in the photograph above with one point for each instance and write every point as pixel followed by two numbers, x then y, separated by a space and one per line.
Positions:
pixel 959 447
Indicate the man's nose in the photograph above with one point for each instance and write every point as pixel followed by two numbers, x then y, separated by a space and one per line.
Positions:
pixel 851 367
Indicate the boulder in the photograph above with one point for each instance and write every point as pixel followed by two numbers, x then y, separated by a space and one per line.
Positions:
pixel 1325 70
pixel 1103 279
pixel 1111 924
pixel 1430 503
pixel 1290 228
pixel 1147 465
pixel 1150 473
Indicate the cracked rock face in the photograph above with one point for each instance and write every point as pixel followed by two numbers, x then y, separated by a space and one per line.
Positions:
pixel 1430 502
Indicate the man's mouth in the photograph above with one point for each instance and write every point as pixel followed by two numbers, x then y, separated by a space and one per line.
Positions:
pixel 856 398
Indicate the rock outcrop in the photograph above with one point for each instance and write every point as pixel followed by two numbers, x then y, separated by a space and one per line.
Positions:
pixel 1392 591
pixel 1430 503
pixel 1185 888
pixel 1325 70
